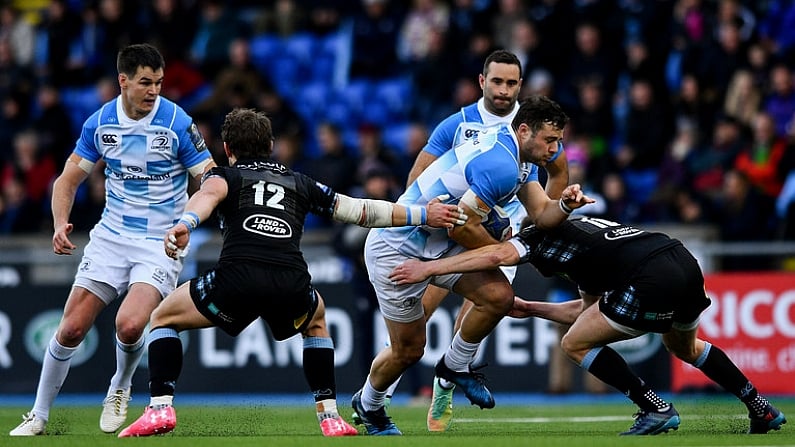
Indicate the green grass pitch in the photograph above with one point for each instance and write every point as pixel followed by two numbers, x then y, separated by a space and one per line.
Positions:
pixel 706 421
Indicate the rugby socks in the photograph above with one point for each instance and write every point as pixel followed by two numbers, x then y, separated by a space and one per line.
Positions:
pixel 54 369
pixel 127 358
pixel 716 365
pixel 372 399
pixel 318 358
pixel 607 365
pixel 460 354
pixel 165 361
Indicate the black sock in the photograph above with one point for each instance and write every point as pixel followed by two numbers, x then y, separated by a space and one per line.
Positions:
pixel 611 368
pixel 165 365
pixel 319 372
pixel 719 367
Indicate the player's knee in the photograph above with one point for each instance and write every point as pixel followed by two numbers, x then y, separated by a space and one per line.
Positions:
pixel 684 353
pixel 573 348
pixel 129 331
pixel 408 355
pixel 71 334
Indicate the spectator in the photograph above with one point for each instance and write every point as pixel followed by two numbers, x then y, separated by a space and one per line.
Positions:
pixel 335 167
pixel 374 156
pixel 61 27
pixel 593 121
pixel 761 161
pixel 693 107
pixel 53 125
pixel 780 102
pixel 374 40
pixel 19 33
pixel 742 214
pixel 425 20
pixel 218 28
pixel 706 166
pixel 743 98
pixel 171 26
pixel 237 78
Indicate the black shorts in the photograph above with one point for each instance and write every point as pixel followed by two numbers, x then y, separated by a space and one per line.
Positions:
pixel 666 289
pixel 233 295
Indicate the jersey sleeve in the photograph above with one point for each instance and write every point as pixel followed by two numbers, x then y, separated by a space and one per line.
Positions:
pixel 321 197
pixel 192 147
pixel 441 139
pixel 86 146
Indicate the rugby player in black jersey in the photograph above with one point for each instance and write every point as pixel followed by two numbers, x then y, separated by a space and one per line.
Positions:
pixel 261 272
pixel 642 281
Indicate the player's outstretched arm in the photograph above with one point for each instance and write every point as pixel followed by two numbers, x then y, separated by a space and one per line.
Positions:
pixel 563 313
pixel 199 208
pixel 483 258
pixel 374 213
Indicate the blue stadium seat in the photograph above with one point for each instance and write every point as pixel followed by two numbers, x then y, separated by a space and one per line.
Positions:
pixel 265 51
pixel 301 47
pixel 396 136
pixel 80 102
pixel 396 95
pixel 356 95
pixel 311 100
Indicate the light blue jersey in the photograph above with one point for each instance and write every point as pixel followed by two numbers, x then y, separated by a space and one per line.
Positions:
pixel 466 124
pixel 488 164
pixel 147 162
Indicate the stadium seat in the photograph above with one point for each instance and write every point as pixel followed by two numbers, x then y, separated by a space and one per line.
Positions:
pixel 356 95
pixel 265 50
pixel 396 136
pixel 311 100
pixel 395 94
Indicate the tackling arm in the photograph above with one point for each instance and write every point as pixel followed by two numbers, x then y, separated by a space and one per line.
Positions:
pixel 380 213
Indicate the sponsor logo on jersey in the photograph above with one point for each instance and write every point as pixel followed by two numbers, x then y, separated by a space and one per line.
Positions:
pixel 109 139
pixel 268 226
pixel 623 232
pixel 160 143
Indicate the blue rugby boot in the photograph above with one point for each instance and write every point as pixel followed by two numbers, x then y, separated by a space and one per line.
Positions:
pixel 473 384
pixel 653 423
pixel 772 420
pixel 376 422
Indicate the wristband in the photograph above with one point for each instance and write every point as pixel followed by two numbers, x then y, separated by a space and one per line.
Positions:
pixel 565 208
pixel 416 215
pixel 191 220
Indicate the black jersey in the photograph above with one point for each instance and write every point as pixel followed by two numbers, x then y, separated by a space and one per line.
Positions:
pixel 596 254
pixel 262 216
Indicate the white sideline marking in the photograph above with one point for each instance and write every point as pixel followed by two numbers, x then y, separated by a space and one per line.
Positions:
pixel 546 420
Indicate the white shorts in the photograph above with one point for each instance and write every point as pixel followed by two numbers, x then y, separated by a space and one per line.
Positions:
pixel 399 303
pixel 111 263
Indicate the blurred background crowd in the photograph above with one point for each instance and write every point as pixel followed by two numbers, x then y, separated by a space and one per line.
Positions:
pixel 683 111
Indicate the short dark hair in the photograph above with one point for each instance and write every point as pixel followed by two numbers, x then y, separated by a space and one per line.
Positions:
pixel 501 57
pixel 537 110
pixel 139 55
pixel 247 133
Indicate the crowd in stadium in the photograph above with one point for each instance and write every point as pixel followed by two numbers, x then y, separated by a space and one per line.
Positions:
pixel 683 111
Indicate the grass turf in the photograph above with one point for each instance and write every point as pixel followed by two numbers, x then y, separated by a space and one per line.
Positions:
pixel 706 421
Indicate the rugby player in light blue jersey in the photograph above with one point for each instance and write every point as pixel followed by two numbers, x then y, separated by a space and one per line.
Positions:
pixel 501 82
pixel 481 173
pixel 150 148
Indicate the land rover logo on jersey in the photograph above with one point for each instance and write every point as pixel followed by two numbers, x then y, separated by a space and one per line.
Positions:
pixel 268 226
pixel 160 143
pixel 39 332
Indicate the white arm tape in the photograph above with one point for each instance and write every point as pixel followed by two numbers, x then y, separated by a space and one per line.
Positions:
pixel 199 168
pixel 470 199
pixel 364 212
pixel 85 165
